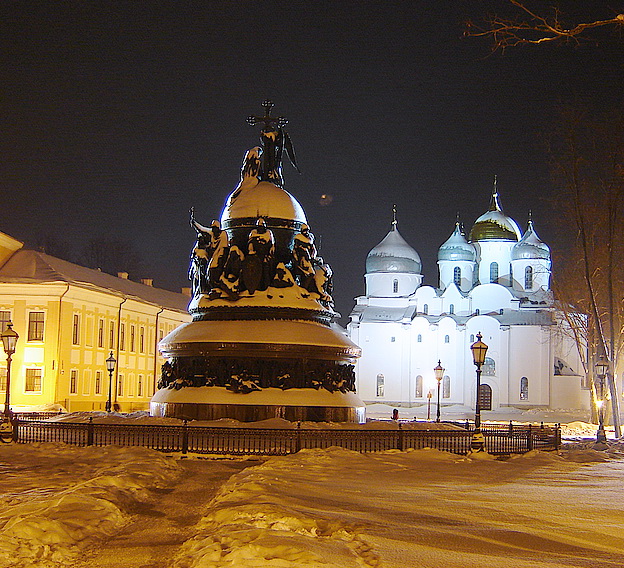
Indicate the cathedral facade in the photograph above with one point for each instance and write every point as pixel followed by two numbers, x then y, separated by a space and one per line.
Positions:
pixel 494 281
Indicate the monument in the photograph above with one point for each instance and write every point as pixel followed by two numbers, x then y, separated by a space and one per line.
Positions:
pixel 263 342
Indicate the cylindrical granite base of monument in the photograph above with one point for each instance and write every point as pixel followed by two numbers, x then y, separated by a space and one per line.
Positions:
pixel 214 403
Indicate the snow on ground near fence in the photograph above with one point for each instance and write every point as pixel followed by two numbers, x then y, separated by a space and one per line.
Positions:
pixel 574 429
pixel 57 499
pixel 428 509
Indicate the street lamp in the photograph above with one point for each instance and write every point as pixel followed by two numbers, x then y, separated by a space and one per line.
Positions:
pixel 479 349
pixel 602 367
pixel 9 341
pixel 110 366
pixel 439 373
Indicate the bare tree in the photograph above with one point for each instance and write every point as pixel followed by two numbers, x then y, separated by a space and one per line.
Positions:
pixel 588 170
pixel 534 26
pixel 111 256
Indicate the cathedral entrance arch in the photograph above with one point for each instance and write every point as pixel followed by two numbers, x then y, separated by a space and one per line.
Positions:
pixel 485 397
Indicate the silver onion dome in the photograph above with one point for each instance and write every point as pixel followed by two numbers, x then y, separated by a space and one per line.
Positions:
pixel 457 247
pixel 530 246
pixel 393 254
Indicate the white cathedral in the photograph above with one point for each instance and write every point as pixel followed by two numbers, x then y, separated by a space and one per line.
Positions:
pixel 495 282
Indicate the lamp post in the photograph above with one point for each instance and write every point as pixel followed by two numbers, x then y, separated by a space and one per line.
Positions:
pixel 110 366
pixel 479 349
pixel 602 366
pixel 9 341
pixel 439 373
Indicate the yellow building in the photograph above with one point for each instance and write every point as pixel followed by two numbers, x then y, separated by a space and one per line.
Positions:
pixel 69 318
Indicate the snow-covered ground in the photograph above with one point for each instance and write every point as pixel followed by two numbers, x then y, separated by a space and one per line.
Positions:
pixel 55 499
pixel 317 509
pixel 426 509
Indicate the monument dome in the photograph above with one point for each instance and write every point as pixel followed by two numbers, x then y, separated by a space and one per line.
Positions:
pixel 264 200
pixel 263 342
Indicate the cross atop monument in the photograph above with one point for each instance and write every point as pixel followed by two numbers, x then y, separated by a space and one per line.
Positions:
pixel 274 140
pixel 269 122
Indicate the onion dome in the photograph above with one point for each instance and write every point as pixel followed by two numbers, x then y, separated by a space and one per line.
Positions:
pixel 393 254
pixel 530 246
pixel 494 225
pixel 264 200
pixel 457 247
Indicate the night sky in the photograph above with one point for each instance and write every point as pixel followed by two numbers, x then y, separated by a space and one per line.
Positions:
pixel 119 116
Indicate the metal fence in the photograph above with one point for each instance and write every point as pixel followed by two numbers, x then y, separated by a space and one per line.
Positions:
pixel 499 440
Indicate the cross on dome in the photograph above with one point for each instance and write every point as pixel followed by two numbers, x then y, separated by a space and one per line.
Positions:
pixel 270 122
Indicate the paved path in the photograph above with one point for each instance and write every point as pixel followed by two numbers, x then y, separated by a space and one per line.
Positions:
pixel 160 528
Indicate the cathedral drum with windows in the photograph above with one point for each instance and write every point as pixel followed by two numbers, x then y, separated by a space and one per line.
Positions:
pixel 497 282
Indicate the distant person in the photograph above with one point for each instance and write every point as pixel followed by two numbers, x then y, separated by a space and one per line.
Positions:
pixel 116 407
pixel 395 414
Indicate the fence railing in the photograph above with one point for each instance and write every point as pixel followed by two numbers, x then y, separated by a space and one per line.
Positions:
pixel 278 441
pixel 37 415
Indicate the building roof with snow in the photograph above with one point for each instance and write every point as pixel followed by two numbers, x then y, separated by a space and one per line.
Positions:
pixel 33 267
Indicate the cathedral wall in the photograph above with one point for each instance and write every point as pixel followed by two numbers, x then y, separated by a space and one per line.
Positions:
pixel 540 277
pixel 489 298
pixel 498 252
pixel 382 354
pixel 391 284
pixel 530 356
pixel 447 273
pixel 495 371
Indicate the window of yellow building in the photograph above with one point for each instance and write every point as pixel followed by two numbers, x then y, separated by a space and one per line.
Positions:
pixel 111 335
pixel 33 380
pixel 132 331
pixel 122 337
pixel 101 333
pixel 73 382
pixel 98 382
pixel 35 326
pixel 140 386
pixel 5 318
pixel 76 330
pixel 142 339
pixel 3 379
pixel 120 385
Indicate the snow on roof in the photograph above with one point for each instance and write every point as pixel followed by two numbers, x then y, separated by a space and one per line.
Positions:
pixel 33 267
pixel 262 200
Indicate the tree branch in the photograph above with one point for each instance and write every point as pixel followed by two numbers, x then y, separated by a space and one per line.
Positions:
pixel 531 28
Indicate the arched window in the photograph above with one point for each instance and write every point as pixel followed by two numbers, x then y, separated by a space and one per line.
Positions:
pixel 419 386
pixel 452 309
pixel 524 388
pixel 457 276
pixel 472 338
pixel 380 385
pixel 489 367
pixel 494 272
pixel 419 338
pixel 447 339
pixel 528 278
pixel 395 286
pixel 426 309
pixel 446 387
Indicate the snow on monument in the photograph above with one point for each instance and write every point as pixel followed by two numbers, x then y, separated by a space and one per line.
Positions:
pixel 263 342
